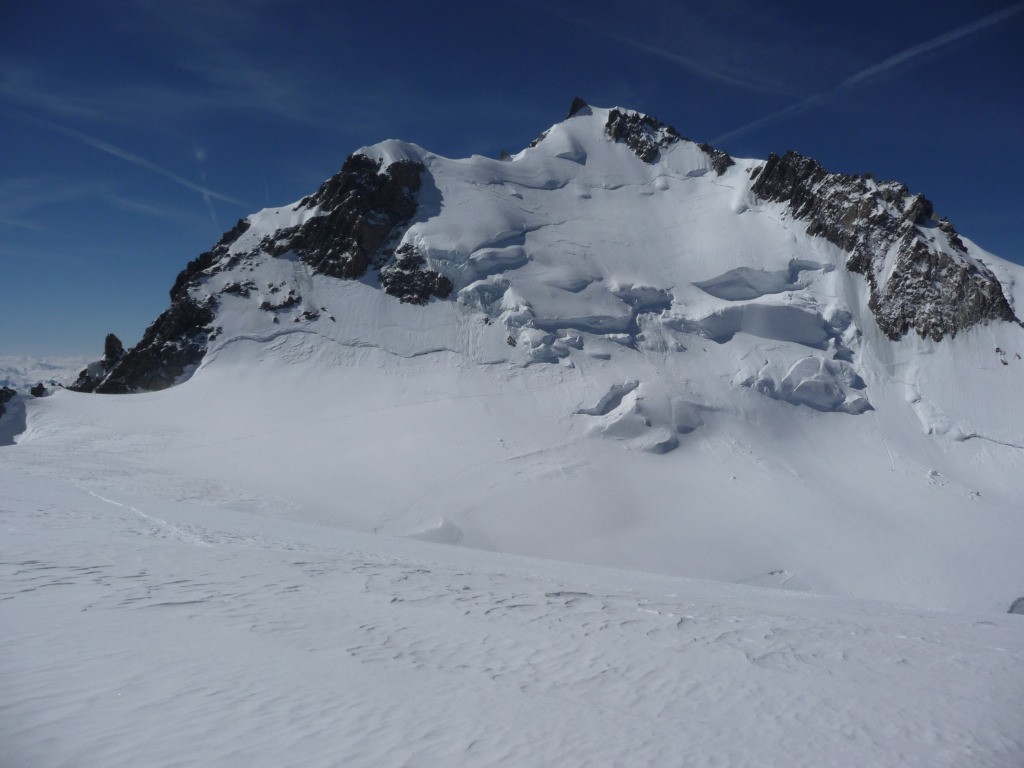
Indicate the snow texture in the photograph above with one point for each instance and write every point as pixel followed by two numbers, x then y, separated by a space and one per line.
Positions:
pixel 147 632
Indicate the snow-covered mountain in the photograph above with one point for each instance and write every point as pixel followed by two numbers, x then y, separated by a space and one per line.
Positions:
pixel 616 346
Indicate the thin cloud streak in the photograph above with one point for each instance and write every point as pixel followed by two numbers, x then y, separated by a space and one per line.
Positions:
pixel 934 43
pixel 19 224
pixel 877 70
pixel 172 215
pixel 694 66
pixel 691 65
pixel 21 199
pixel 122 154
pixel 792 109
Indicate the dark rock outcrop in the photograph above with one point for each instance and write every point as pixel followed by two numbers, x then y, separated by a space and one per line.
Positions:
pixel 292 299
pixel 643 134
pixel 172 343
pixel 204 263
pixel 647 136
pixel 538 140
pixel 6 395
pixel 361 209
pixel 577 106
pixel 113 349
pixel 933 287
pixel 720 160
pixel 94 373
pixel 406 279
pixel 239 288
pixel 38 390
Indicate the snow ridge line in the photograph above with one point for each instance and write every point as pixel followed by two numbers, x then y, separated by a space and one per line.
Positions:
pixel 176 532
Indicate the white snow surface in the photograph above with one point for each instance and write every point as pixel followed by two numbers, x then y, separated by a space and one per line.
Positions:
pixel 145 632
pixel 696 390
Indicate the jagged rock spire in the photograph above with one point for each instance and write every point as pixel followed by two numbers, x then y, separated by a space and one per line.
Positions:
pixel 577 105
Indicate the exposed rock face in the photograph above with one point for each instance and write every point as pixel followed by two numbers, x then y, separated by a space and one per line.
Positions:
pixel 933 287
pixel 720 160
pixel 577 106
pixel 94 373
pixel 175 341
pixel 113 349
pixel 38 390
pixel 412 284
pixel 362 209
pixel 647 136
pixel 172 343
pixel 205 261
pixel 643 134
pixel 6 395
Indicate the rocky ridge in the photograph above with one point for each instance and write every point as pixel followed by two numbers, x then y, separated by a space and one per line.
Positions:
pixel 357 214
pixel 933 287
pixel 646 136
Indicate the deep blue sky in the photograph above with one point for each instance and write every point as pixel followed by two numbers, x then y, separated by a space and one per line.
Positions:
pixel 133 133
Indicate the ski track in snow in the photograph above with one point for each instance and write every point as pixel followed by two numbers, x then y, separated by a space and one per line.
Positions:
pixel 133 638
pixel 159 524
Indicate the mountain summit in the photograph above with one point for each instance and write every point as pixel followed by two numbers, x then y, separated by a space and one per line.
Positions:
pixel 615 346
pixel 607 222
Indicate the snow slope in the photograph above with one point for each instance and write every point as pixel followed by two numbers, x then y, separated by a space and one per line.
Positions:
pixel 140 631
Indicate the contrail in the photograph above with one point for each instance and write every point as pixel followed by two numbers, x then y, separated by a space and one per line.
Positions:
pixel 878 69
pixel 20 224
pixel 201 160
pixel 692 65
pixel 931 45
pixel 129 157
pixel 689 64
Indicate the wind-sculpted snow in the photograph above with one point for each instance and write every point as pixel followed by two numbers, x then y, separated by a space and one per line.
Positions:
pixel 824 385
pixel 744 283
pixel 146 632
pixel 767 321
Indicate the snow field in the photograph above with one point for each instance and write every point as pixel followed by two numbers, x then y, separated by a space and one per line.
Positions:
pixel 145 632
pixel 370 434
